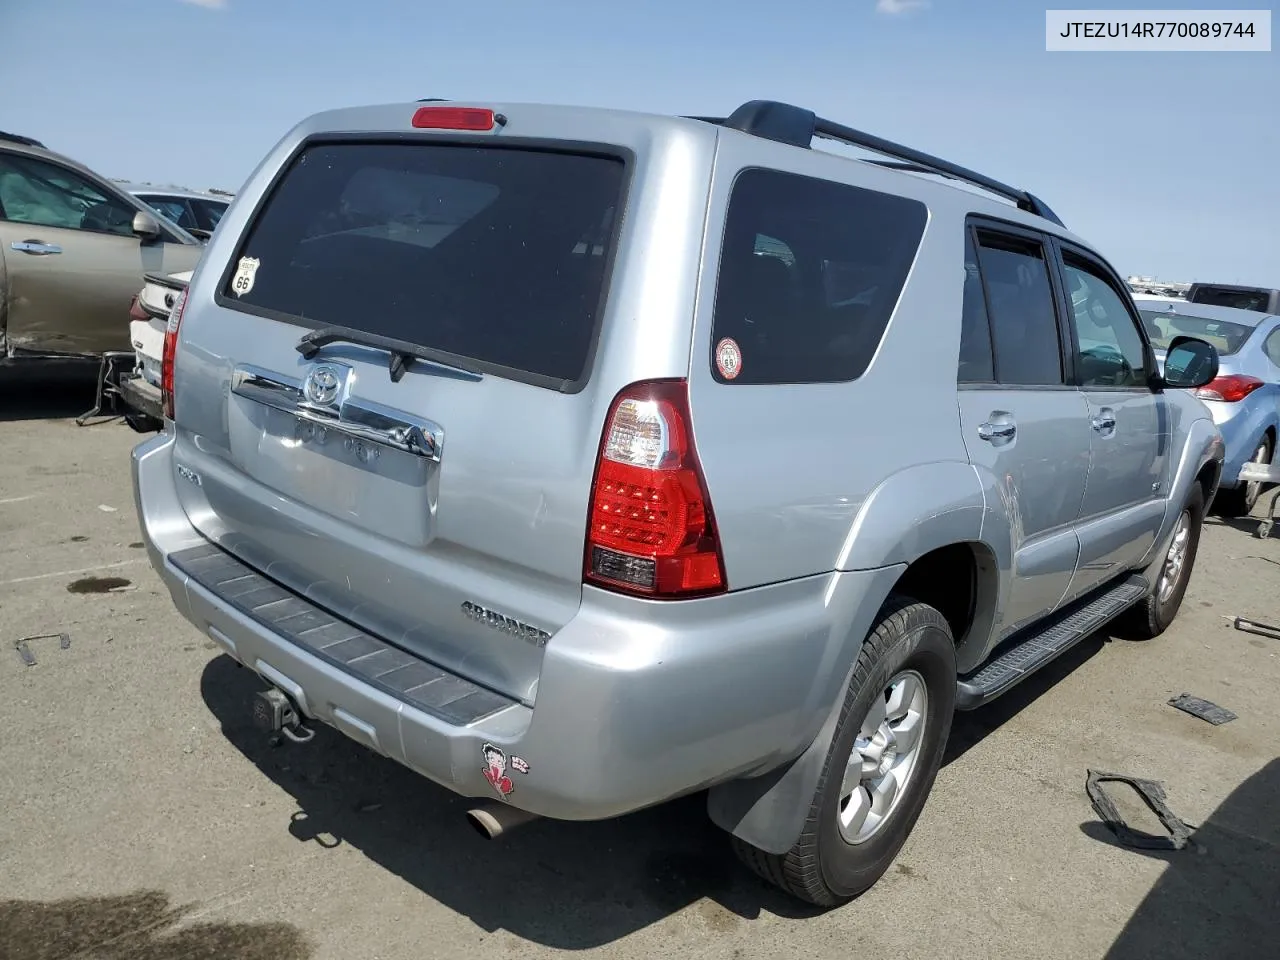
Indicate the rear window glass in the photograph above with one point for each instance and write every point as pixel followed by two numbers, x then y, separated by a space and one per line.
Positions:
pixel 810 272
pixel 1259 300
pixel 1163 325
pixel 495 254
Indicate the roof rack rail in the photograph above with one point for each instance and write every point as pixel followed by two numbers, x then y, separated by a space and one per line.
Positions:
pixel 798 127
pixel 19 138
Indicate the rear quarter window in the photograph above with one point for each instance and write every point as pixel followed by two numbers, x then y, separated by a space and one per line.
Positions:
pixel 491 253
pixel 810 272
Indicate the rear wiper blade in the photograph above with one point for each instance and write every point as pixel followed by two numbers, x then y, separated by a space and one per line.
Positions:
pixel 400 351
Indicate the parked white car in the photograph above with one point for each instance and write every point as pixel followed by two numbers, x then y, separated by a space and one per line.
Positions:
pixel 148 316
pixel 196 211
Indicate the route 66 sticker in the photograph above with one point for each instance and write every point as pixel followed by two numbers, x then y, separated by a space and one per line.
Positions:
pixel 242 282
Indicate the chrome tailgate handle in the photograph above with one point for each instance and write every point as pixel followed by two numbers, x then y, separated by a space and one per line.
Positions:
pixel 360 419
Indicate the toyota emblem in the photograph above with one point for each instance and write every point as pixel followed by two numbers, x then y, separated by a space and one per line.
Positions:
pixel 322 385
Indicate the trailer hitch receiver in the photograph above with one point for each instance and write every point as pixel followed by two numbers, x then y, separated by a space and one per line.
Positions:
pixel 277 715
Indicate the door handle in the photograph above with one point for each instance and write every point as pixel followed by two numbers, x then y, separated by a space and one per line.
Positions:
pixel 1104 422
pixel 997 431
pixel 37 248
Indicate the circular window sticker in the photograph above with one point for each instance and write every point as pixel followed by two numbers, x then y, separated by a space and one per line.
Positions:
pixel 728 358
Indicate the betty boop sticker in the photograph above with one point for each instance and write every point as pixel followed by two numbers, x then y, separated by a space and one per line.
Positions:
pixel 495 769
pixel 728 358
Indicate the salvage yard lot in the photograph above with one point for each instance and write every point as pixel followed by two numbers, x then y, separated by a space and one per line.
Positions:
pixel 144 814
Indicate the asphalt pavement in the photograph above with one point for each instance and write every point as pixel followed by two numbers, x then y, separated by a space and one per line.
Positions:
pixel 142 816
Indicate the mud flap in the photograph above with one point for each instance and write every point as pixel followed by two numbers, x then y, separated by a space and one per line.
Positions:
pixel 769 811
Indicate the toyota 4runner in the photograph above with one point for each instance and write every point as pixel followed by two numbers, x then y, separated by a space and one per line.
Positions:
pixel 581 459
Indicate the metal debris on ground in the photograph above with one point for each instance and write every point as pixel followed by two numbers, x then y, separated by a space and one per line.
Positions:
pixel 1256 626
pixel 1203 709
pixel 24 649
pixel 1153 795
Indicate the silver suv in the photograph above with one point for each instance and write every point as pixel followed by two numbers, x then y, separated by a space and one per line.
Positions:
pixel 581 459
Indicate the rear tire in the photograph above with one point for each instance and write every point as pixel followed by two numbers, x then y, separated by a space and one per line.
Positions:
pixel 1157 610
pixel 879 770
pixel 1238 501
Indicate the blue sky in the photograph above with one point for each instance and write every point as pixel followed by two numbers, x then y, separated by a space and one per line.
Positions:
pixel 1167 161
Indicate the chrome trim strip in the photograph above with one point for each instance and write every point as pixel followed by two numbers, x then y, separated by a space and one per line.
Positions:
pixel 362 419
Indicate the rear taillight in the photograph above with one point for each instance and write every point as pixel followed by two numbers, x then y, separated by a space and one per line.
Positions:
pixel 170 348
pixel 652 530
pixel 1232 388
pixel 136 312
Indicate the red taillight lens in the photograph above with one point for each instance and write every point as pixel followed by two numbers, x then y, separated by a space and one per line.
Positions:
pixel 136 312
pixel 1232 388
pixel 170 348
pixel 453 118
pixel 652 531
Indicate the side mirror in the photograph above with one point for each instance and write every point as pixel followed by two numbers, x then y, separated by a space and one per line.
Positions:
pixel 1189 363
pixel 146 227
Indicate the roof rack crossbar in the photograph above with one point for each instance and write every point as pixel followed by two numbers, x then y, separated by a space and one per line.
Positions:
pixel 798 127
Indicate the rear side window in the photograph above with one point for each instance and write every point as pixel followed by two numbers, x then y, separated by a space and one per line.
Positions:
pixel 494 254
pixel 810 272
pixel 1020 302
pixel 1259 300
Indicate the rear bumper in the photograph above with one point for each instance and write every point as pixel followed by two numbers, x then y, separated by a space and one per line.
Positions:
pixel 1242 426
pixel 631 710
pixel 142 396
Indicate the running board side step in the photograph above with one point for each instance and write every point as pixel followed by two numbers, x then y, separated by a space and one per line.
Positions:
pixel 1046 641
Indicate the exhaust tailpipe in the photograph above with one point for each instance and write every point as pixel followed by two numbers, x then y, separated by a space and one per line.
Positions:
pixel 494 819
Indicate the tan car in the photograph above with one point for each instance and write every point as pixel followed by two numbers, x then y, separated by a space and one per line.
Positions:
pixel 74 249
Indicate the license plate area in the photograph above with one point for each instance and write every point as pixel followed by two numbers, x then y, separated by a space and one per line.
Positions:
pixel 378 488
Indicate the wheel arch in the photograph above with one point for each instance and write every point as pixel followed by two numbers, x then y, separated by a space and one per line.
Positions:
pixel 929 548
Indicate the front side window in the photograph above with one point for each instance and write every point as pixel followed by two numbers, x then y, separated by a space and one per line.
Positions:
pixel 810 272
pixel 48 195
pixel 172 208
pixel 1109 347
pixel 208 213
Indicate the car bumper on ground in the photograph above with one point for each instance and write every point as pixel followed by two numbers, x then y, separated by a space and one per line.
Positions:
pixel 629 711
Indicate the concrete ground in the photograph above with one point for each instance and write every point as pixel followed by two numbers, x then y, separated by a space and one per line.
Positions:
pixel 144 818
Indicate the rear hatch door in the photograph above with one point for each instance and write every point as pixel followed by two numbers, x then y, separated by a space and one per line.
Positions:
pixel 382 402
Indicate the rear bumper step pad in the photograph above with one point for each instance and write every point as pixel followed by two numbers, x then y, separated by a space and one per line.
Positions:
pixel 371 659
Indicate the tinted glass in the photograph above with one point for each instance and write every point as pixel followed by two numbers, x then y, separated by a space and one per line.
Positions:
pixel 489 253
pixel 1240 299
pixel 1108 343
pixel 173 208
pixel 1024 324
pixel 1271 347
pixel 36 192
pixel 209 213
pixel 976 363
pixel 1163 325
pixel 810 272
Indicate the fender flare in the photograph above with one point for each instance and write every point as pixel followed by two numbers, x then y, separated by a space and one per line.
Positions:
pixel 907 516
pixel 1203 446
